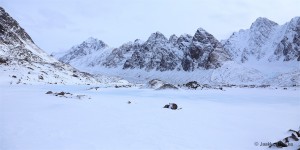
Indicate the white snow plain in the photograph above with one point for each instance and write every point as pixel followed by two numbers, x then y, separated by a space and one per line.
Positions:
pixel 212 119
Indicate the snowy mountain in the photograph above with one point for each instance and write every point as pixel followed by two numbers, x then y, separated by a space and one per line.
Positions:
pixel 262 54
pixel 21 61
pixel 185 58
pixel 154 54
pixel 272 49
pixel 184 53
pixel 90 52
pixel 157 53
pixel 266 40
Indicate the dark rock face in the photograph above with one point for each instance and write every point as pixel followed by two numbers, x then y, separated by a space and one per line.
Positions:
pixel 136 61
pixel 289 46
pixel 204 52
pixel 119 56
pixel 200 39
pixel 9 25
pixel 154 54
pixel 176 53
pixel 14 39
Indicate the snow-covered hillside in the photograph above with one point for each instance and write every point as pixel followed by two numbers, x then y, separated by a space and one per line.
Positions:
pixel 16 43
pixel 21 61
pixel 16 71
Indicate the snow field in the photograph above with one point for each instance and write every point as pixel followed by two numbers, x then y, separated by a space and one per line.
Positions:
pixel 209 119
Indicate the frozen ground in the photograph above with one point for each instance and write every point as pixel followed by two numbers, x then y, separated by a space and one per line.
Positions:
pixel 233 119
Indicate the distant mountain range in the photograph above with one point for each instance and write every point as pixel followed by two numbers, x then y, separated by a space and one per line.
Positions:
pixel 259 55
pixel 187 53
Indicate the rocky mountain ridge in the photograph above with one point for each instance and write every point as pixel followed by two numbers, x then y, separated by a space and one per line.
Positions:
pixel 188 53
pixel 23 62
pixel 244 58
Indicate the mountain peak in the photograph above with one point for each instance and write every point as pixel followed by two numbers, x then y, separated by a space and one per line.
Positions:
pixel 296 18
pixel 138 41
pixel 173 39
pixel 295 21
pixel 94 41
pixel 201 32
pixel 91 40
pixel 262 22
pixel 157 36
pixel 1 10
pixel 173 36
pixel 266 41
pixel 202 36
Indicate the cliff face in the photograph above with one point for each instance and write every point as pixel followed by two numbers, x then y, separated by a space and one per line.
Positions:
pixel 22 61
pixel 205 51
pixel 16 43
pixel 187 53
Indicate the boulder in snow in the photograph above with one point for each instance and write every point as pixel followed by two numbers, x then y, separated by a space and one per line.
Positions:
pixel 167 86
pixel 155 83
pixel 172 106
pixel 49 92
pixel 192 85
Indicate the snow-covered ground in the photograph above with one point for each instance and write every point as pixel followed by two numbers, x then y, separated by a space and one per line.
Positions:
pixel 256 73
pixel 233 119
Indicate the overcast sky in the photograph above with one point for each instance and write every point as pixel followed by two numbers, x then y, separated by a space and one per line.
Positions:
pixel 56 25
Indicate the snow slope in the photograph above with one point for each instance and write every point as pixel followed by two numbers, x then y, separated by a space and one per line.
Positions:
pixel 266 41
pixel 16 43
pixel 233 119
pixel 271 49
pixel 229 73
pixel 23 62
pixel 24 72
